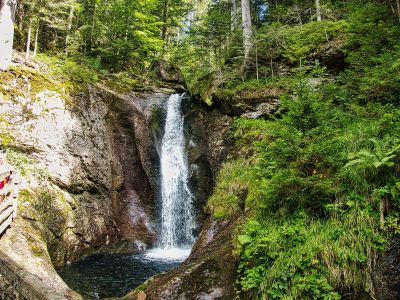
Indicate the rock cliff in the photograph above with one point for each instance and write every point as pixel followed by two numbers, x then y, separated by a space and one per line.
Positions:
pixel 87 171
pixel 90 175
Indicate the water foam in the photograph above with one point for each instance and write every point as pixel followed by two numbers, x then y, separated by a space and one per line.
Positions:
pixel 173 254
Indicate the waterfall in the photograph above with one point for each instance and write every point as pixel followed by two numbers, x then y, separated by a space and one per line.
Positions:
pixel 177 220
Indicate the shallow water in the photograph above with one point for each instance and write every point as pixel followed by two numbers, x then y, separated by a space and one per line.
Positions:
pixel 108 275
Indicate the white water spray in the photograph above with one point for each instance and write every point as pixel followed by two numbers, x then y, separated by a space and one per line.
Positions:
pixel 177 220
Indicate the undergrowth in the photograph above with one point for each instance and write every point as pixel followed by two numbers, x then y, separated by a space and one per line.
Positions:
pixel 311 185
pixel 77 73
pixel 318 183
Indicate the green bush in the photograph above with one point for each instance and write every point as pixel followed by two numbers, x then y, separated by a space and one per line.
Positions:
pixel 313 182
pixel 300 43
pixel 238 187
pixel 306 258
pixel 372 51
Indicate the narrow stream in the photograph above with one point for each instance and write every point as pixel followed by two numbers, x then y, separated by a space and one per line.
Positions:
pixel 100 276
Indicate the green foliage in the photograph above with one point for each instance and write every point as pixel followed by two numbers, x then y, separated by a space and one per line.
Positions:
pixel 298 44
pixel 237 189
pixel 316 179
pixel 361 37
pixel 79 73
pixel 379 156
pixel 75 74
pixel 70 71
pixel 126 35
pixel 203 50
pixel 121 82
pixel 372 51
pixel 305 258
pixel 211 47
pixel 117 35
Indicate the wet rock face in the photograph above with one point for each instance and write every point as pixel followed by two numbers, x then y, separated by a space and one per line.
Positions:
pixel 133 199
pixel 92 170
pixel 209 273
pixel 208 136
pixel 386 276
pixel 67 193
pixel 258 103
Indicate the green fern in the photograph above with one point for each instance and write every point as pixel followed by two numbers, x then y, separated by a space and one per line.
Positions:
pixel 377 157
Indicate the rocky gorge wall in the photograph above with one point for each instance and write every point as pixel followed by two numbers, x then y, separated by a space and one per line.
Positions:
pixel 85 186
pixel 90 167
pixel 86 173
pixel 63 153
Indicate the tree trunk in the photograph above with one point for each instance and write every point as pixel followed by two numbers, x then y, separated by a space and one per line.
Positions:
pixel 6 33
pixel 299 15
pixel 318 9
pixel 398 9
pixel 234 17
pixel 28 40
pixel 20 14
pixel 90 20
pixel 165 20
pixel 36 38
pixel 257 60
pixel 383 210
pixel 247 30
pixel 69 27
pixel 278 16
pixel 93 24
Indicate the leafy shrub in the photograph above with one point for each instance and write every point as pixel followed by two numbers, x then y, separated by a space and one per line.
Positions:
pixel 372 52
pixel 79 73
pixel 238 186
pixel 305 258
pixel 313 187
pixel 300 43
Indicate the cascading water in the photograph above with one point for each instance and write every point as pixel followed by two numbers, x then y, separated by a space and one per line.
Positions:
pixel 177 220
pixel 111 275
